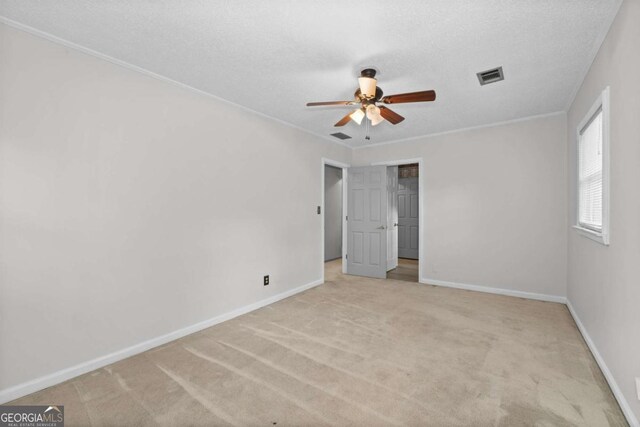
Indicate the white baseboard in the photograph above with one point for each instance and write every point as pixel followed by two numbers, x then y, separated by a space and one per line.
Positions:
pixel 54 378
pixel 499 291
pixel 624 405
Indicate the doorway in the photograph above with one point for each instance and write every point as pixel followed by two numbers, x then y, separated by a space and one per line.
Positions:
pixel 332 213
pixel 384 220
pixel 333 218
pixel 371 241
pixel 403 183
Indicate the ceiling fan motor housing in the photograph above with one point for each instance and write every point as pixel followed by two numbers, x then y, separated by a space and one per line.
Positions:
pixel 360 98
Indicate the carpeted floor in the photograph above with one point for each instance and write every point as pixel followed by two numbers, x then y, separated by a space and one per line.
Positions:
pixel 406 271
pixel 363 352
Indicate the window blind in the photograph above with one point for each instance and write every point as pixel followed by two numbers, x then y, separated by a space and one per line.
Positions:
pixel 590 161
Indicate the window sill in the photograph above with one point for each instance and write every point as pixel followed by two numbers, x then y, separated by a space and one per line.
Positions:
pixel 601 238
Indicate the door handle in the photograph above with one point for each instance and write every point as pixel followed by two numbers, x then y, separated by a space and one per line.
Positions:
pixel 382 227
pixel 395 224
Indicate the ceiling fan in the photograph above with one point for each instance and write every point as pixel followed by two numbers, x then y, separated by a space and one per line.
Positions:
pixel 368 95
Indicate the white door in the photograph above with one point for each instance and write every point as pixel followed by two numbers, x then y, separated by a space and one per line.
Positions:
pixel 366 221
pixel 392 217
pixel 408 218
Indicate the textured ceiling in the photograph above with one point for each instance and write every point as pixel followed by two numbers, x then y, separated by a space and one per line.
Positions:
pixel 274 56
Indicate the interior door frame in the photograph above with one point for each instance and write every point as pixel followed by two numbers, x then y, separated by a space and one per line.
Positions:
pixel 344 166
pixel 420 162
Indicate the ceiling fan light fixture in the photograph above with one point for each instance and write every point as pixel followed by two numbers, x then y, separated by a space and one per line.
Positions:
pixel 376 120
pixel 357 116
pixel 367 86
pixel 373 114
pixel 372 111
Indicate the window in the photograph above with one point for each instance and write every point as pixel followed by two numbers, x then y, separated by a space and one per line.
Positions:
pixel 590 174
pixel 593 172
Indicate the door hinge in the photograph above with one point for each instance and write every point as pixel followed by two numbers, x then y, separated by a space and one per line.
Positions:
pixel 346 218
pixel 346 256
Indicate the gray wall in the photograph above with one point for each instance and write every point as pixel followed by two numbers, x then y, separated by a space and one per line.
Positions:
pixel 132 208
pixel 332 212
pixel 604 281
pixel 495 204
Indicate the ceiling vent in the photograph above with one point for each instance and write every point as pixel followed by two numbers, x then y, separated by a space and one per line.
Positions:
pixel 341 135
pixel 490 76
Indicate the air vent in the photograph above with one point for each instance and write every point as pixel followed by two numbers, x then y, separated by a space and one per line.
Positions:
pixel 341 135
pixel 490 76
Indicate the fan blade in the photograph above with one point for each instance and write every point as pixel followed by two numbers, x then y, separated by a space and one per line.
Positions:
pixel 424 96
pixel 343 121
pixel 319 104
pixel 392 117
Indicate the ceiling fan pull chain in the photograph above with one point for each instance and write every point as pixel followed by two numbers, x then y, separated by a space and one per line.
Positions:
pixel 366 136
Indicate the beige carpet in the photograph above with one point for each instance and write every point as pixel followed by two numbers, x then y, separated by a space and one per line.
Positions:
pixel 406 271
pixel 363 352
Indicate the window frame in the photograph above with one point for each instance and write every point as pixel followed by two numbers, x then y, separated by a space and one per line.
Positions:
pixel 600 105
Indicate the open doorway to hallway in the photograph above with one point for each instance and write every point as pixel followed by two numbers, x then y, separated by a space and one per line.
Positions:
pixel 334 215
pixel 333 187
pixel 372 219
pixel 403 222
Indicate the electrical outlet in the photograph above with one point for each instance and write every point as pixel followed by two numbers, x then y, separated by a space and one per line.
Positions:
pixel 638 387
pixel 266 280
